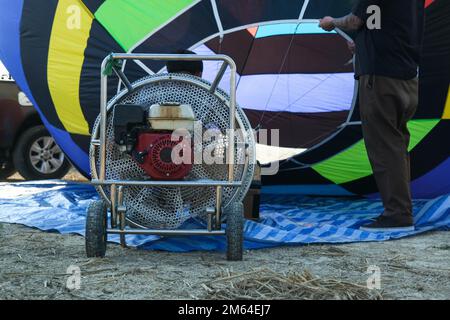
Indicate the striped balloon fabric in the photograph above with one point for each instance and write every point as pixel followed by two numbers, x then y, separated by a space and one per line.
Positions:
pixel 292 77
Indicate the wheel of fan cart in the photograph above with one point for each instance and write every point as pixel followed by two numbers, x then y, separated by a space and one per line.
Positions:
pixel 235 231
pixel 96 229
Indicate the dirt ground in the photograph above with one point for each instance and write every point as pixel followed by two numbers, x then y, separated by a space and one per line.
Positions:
pixel 35 265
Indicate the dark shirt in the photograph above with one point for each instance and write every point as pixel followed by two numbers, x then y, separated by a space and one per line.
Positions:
pixel 394 50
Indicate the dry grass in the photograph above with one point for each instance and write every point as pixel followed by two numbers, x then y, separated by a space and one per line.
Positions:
pixel 72 175
pixel 267 284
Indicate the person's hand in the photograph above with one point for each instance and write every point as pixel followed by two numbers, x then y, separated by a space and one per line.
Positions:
pixel 351 46
pixel 327 23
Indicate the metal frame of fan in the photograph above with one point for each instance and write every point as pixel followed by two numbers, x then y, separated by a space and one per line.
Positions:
pixel 212 193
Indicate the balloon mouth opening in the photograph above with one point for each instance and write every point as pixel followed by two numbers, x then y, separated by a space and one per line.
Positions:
pixel 324 102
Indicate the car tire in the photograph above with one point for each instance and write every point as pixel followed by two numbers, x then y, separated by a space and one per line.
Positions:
pixel 36 156
pixel 6 170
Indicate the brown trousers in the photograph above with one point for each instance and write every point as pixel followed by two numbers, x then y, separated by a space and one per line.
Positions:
pixel 386 106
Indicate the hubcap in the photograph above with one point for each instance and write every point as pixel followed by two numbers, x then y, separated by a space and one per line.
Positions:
pixel 45 155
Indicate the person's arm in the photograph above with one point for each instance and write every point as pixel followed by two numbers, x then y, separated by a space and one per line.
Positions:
pixel 353 21
pixel 348 23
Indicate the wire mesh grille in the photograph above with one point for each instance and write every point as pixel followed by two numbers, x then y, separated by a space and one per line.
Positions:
pixel 169 207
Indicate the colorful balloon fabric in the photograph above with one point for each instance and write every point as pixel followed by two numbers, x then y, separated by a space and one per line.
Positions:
pixel 292 76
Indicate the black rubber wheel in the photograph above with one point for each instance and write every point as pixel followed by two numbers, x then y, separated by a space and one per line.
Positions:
pixel 235 231
pixel 6 170
pixel 37 157
pixel 96 229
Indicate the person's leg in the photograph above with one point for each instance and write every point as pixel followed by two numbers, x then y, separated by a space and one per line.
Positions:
pixel 412 88
pixel 386 106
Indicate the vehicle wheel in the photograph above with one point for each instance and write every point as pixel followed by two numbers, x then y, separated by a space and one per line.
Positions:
pixel 6 170
pixel 96 229
pixel 235 231
pixel 37 156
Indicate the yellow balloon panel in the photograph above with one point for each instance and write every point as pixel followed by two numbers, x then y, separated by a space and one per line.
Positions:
pixel 70 33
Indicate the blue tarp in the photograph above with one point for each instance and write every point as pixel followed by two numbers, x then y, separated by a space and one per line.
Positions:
pixel 60 206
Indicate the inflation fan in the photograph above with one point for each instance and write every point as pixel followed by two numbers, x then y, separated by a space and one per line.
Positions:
pixel 169 148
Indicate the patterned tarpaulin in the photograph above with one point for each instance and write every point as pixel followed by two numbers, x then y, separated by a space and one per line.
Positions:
pixel 60 206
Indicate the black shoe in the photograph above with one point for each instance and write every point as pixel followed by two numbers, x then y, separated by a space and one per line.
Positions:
pixel 388 224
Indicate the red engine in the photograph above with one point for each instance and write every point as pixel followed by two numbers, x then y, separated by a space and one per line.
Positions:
pixel 153 152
